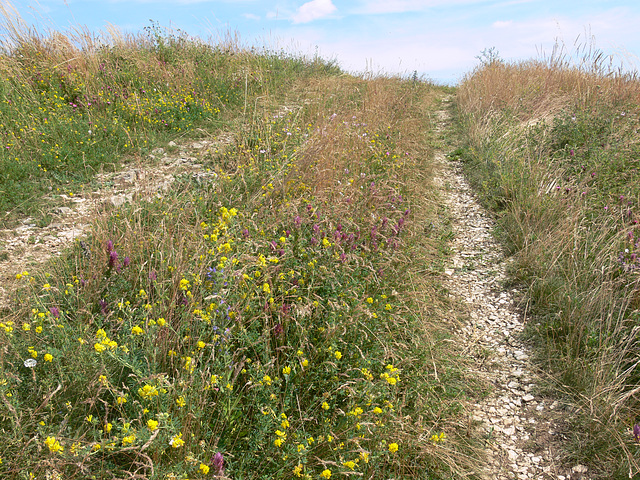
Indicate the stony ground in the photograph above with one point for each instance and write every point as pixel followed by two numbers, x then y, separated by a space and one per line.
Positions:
pixel 523 429
pixel 29 244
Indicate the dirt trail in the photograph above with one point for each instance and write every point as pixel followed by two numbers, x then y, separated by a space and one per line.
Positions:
pixel 28 244
pixel 522 428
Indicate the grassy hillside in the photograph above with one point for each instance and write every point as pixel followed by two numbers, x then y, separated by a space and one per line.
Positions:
pixel 278 320
pixel 553 148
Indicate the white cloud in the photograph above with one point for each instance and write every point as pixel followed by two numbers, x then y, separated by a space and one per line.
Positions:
pixel 502 24
pixel 251 16
pixel 314 10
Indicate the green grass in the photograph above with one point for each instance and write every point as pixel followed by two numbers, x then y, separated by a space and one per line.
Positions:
pixel 67 111
pixel 275 317
pixel 552 148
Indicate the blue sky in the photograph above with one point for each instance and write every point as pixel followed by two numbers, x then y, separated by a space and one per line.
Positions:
pixel 438 38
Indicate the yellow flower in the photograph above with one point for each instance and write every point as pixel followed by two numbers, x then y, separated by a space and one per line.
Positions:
pixel 98 347
pixel 189 364
pixel 377 410
pixel 176 441
pixel 148 391
pixel 26 327
pixel 152 424
pixel 137 330
pixel 128 440
pixel 325 406
pixel 204 468
pixel 350 464
pixel 108 427
pixel 297 470
pixel 121 400
pixel 326 473
pixel 338 354
pixel 161 322
pixel 54 445
pixel 436 438
pixel 393 447
pixel 266 288
pixel 369 300
pixel 180 401
pixel 201 345
pixel 364 456
pixel 266 380
pixel 48 357
pixel 286 370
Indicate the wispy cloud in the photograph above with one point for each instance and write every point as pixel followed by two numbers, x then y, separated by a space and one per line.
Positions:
pixel 314 10
pixel 502 24
pixel 376 7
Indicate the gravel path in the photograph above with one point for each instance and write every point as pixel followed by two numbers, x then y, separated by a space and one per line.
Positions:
pixel 522 428
pixel 30 245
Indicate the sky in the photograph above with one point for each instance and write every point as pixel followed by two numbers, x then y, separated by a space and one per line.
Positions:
pixel 441 40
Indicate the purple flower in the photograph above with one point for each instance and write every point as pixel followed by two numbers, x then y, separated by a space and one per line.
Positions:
pixel 104 306
pixel 636 432
pixel 109 246
pixel 54 311
pixel 126 261
pixel 218 463
pixel 153 276
pixel 113 258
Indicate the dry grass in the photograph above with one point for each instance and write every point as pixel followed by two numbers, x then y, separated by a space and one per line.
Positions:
pixel 551 148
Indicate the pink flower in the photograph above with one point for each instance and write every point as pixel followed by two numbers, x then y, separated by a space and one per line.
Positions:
pixel 218 463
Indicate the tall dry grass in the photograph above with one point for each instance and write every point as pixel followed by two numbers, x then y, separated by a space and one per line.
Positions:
pixel 551 147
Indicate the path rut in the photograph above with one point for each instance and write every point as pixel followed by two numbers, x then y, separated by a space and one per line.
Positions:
pixel 523 429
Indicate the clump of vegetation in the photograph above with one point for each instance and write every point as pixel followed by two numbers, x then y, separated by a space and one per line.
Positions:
pixel 269 321
pixel 552 147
